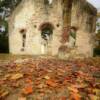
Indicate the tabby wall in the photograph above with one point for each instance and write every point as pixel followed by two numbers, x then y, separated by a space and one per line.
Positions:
pixel 84 19
pixel 30 15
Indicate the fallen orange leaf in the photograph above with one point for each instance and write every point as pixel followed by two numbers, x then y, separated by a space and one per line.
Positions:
pixel 51 82
pixel 22 98
pixel 73 89
pixel 28 90
pixel 29 81
pixel 63 98
pixel 75 96
pixel 16 76
pixel 47 77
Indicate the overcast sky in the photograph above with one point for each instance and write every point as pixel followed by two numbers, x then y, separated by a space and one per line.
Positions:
pixel 96 3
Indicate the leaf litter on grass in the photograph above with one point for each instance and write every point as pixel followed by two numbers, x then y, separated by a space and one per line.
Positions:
pixel 50 79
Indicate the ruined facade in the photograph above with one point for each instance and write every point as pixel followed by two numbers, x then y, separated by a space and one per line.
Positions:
pixel 52 27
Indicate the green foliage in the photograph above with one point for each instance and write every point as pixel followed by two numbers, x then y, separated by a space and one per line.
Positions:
pixel 98 26
pixel 97 51
pixel 4 47
pixel 9 3
pixel 73 34
pixel 5 24
pixel 3 37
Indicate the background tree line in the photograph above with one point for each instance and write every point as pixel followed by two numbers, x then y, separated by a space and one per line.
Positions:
pixel 6 8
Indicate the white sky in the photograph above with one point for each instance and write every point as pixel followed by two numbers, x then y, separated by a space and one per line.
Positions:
pixel 96 3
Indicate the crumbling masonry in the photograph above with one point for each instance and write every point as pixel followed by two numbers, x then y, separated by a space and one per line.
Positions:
pixel 56 27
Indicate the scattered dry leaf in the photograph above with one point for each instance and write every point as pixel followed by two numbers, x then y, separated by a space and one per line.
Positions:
pixel 73 89
pixel 63 98
pixel 27 90
pixel 16 76
pixel 4 94
pixel 51 83
pixel 75 96
pixel 29 81
pixel 22 98
pixel 47 77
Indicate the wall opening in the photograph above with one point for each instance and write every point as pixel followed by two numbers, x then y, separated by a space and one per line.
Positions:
pixel 23 33
pixel 46 37
pixel 72 36
pixel 48 2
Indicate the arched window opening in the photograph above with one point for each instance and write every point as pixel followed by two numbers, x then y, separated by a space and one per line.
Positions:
pixel 72 36
pixel 23 33
pixel 73 31
pixel 46 36
pixel 46 33
pixel 47 2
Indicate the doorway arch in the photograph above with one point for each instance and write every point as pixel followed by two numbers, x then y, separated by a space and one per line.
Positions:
pixel 46 37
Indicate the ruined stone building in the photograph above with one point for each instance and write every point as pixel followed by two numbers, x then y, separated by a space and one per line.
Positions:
pixel 52 27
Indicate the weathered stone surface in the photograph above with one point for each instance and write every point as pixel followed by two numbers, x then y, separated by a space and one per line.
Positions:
pixel 31 15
